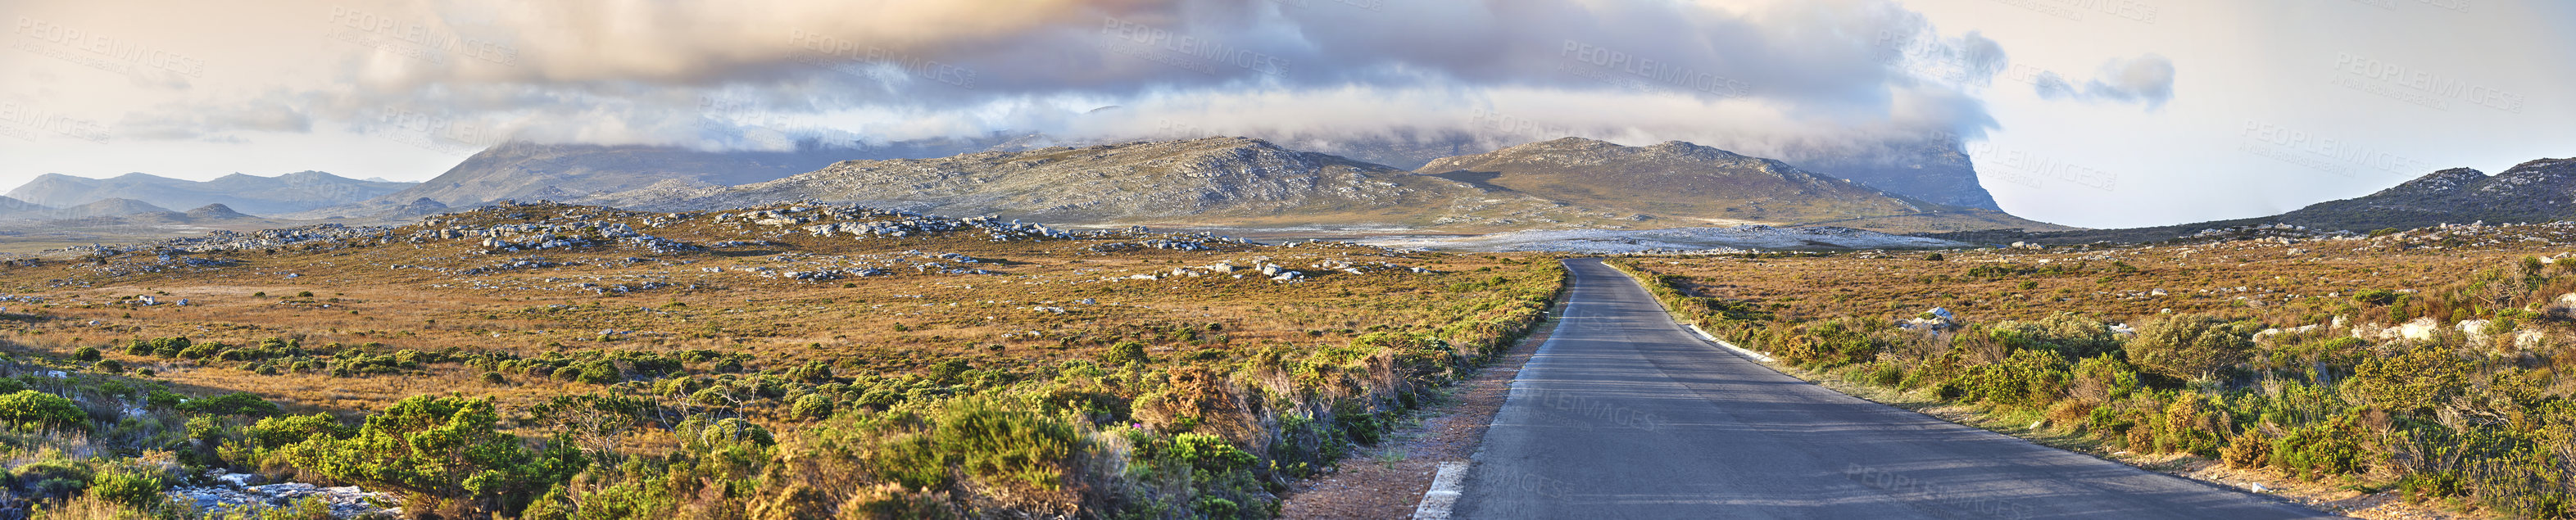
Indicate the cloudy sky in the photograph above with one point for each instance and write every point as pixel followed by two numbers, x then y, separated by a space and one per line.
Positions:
pixel 2100 113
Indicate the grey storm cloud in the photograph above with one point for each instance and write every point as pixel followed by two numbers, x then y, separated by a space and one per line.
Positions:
pixel 1785 75
pixel 2146 80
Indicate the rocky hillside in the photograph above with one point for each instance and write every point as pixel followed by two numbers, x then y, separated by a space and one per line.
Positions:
pixel 288 193
pixel 518 170
pixel 1212 181
pixel 12 208
pixel 2536 191
pixel 1936 171
pixel 215 212
pixel 1698 184
pixel 531 171
pixel 1933 170
pixel 111 207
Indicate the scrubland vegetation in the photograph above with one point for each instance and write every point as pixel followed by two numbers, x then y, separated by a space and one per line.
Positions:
pixel 732 366
pixel 1049 380
pixel 2432 362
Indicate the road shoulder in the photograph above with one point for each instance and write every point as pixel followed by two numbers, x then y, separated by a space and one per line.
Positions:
pixel 1389 479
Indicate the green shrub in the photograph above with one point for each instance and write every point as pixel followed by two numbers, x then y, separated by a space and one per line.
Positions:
pixel 236 403
pixel 1210 453
pixel 1123 353
pixel 2192 346
pixel 2314 451
pixel 985 442
pixel 52 477
pixel 131 488
pixel 2248 449
pixel 735 432
pixel 1833 343
pixel 448 447
pixel 274 432
pixel 2070 336
pixel 946 372
pixel 812 406
pixel 2189 425
pixel 1886 374
pixel 815 371
pixel 86 354
pixel 2417 378
pixel 2377 296
pixel 2103 379
pixel 29 406
pixel 595 372
pixel 2027 379
pixel 159 398
pixel 2431 485
pixel 201 350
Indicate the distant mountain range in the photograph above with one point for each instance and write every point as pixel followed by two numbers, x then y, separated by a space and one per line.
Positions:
pixel 288 193
pixel 12 209
pixel 1936 170
pixel 1214 181
pixel 2535 191
pixel 1236 181
pixel 567 172
pixel 1679 180
pixel 1210 181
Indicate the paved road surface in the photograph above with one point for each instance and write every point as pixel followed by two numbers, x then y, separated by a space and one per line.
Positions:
pixel 1623 414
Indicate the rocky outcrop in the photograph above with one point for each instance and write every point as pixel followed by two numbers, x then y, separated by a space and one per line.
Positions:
pixel 235 491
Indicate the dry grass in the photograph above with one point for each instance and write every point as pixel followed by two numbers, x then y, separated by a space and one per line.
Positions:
pixel 361 297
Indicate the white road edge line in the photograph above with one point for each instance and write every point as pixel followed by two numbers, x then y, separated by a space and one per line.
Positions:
pixel 1446 487
pixel 1729 346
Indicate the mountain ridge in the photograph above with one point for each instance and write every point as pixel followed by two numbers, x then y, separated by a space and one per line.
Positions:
pixel 280 194
pixel 2540 190
pixel 1682 180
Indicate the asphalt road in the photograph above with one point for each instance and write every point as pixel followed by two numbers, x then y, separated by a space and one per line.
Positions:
pixel 1624 414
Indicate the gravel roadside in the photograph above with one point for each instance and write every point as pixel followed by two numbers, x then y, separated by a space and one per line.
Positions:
pixel 1387 480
